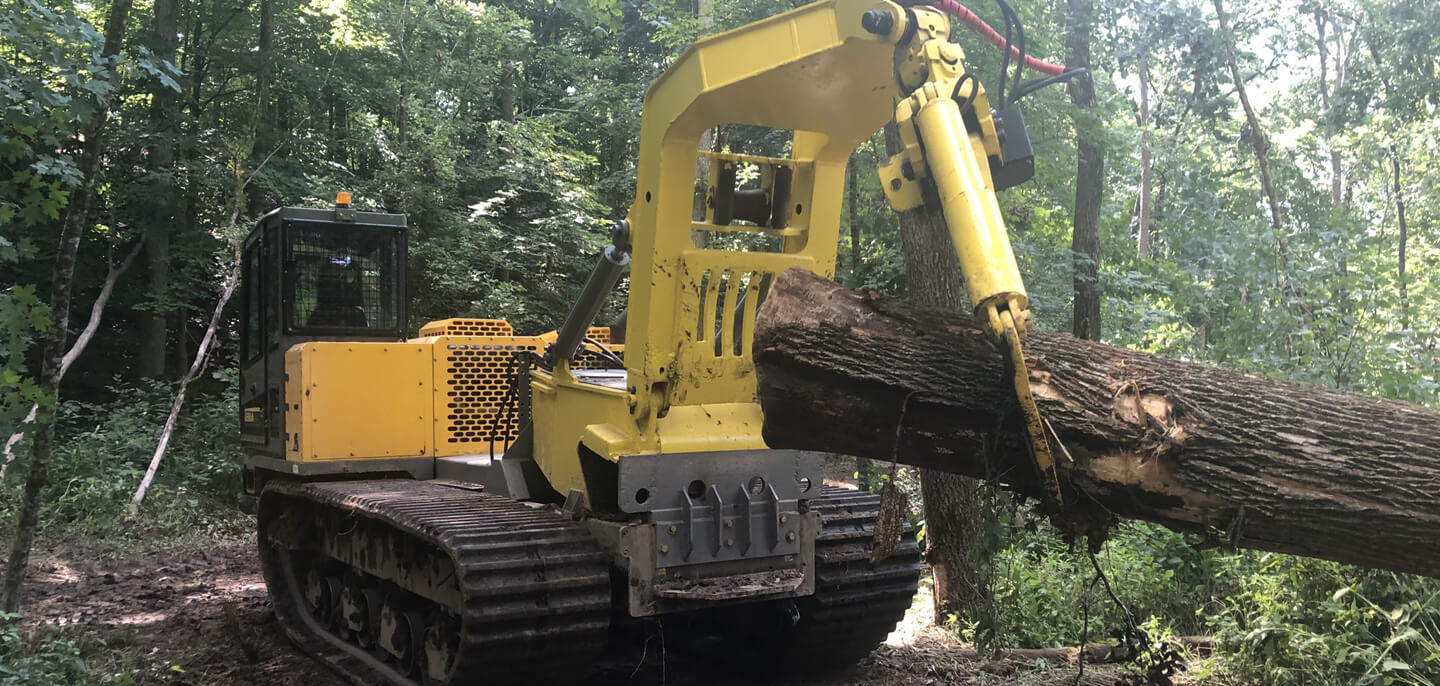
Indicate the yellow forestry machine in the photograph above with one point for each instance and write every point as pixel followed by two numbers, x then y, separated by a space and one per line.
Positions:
pixel 472 505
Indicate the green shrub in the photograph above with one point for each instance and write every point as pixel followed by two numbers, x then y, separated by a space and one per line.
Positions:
pixel 1293 620
pixel 102 452
pixel 51 659
pixel 1041 585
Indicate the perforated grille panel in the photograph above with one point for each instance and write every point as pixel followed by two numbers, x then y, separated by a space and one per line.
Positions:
pixel 476 378
pixel 599 333
pixel 469 327
pixel 472 378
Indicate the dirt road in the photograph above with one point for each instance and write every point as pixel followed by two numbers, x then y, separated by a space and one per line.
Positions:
pixel 202 617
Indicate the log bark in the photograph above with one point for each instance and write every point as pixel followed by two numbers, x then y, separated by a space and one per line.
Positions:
pixel 1270 464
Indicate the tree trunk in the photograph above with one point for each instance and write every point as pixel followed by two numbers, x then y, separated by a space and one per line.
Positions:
pixel 1147 173
pixel 1336 182
pixel 97 311
pixel 62 279
pixel 1258 142
pixel 265 54
pixel 1089 176
pixel 160 216
pixel 198 365
pixel 1404 238
pixel 954 523
pixel 704 12
pixel 852 193
pixel 1273 464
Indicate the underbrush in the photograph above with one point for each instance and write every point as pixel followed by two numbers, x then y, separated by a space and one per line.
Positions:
pixel 1293 621
pixel 1046 593
pixel 73 656
pixel 101 454
pixel 48 659
pixel 1274 619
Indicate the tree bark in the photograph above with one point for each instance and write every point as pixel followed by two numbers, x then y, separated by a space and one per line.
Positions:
pixel 1403 239
pixel 1147 173
pixel 852 196
pixel 1089 176
pixel 954 522
pixel 852 193
pixel 1270 464
pixel 63 277
pixel 162 198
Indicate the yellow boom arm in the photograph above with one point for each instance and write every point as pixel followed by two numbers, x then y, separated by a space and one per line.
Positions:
pixel 939 145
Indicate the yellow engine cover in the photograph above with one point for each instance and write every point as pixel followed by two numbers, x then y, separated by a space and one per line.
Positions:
pixel 352 400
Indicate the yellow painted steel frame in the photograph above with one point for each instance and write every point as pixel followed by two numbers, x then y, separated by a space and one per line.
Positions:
pixel 815 71
pixel 939 144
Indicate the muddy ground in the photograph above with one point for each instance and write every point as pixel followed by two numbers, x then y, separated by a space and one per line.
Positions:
pixel 202 617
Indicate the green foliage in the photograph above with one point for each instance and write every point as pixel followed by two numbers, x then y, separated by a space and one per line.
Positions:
pixel 51 659
pixel 1292 620
pixel 22 318
pixel 108 446
pixel 50 86
pixel 1042 586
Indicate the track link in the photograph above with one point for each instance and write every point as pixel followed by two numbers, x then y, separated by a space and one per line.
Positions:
pixel 855 606
pixel 404 582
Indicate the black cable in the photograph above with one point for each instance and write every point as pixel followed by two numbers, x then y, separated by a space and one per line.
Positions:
pixel 496 426
pixel 1031 86
pixel 511 399
pixel 606 352
pixel 1005 60
pixel 1012 16
pixel 969 101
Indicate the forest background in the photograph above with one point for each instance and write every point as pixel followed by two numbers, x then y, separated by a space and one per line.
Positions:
pixel 1254 182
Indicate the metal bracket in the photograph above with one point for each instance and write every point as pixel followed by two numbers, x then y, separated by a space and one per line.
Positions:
pixel 723 506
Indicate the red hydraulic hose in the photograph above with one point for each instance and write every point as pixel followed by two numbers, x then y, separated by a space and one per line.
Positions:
pixel 959 11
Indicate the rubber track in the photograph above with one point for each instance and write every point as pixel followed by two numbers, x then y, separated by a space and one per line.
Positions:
pixel 536 585
pixel 855 606
pixel 856 603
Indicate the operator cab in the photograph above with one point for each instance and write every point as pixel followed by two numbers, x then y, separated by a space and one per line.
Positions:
pixel 312 275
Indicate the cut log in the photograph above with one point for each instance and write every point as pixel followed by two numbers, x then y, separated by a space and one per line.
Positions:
pixel 1270 464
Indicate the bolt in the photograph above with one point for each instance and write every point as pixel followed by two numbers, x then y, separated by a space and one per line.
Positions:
pixel 729 543
pixel 790 536
pixel 894 184
pixel 672 529
pixel 878 21
pixel 664 550
pixel 784 518
pixel 729 524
